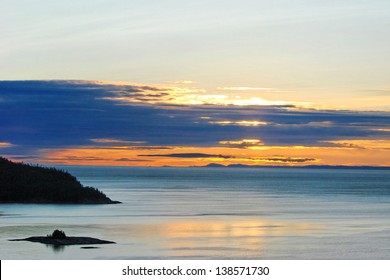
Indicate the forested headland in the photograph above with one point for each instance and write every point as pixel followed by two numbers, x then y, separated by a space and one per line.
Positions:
pixel 24 183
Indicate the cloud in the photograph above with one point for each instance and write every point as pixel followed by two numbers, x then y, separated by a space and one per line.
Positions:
pixel 240 123
pixel 281 159
pixel 384 129
pixel 106 141
pixel 320 124
pixel 244 143
pixel 247 88
pixel 131 160
pixel 188 155
pixel 377 144
pixel 182 94
pixel 79 158
pixel 5 145
pixel 39 115
pixel 148 148
pixel 185 82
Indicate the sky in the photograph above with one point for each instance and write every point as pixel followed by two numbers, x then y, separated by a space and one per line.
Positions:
pixel 183 83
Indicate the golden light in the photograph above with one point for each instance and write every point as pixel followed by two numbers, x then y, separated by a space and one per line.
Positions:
pixel 181 93
pixel 240 123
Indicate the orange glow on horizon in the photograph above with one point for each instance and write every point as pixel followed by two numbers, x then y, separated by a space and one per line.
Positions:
pixel 246 151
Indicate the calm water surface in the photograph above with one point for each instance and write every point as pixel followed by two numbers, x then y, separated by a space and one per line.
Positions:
pixel 214 213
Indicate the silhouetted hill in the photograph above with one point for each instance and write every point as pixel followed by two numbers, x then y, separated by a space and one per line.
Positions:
pixel 306 166
pixel 214 165
pixel 23 183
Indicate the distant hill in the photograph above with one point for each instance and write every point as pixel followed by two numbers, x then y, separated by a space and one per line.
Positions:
pixel 305 166
pixel 23 183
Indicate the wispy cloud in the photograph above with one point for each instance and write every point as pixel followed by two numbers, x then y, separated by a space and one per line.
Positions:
pixel 244 143
pixel 131 160
pixel 240 123
pixel 116 141
pixel 188 155
pixel 184 82
pixel 381 129
pixel 5 145
pixel 183 94
pixel 376 144
pixel 281 159
pixel 78 158
pixel 246 88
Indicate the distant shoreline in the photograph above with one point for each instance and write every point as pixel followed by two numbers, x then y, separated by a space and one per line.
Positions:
pixel 238 166
pixel 306 166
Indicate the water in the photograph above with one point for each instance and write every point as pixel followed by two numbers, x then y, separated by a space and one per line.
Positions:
pixel 214 213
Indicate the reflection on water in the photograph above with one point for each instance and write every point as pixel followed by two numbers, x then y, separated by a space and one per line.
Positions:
pixel 232 228
pixel 247 238
pixel 56 248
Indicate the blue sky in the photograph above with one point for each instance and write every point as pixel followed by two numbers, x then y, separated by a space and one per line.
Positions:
pixel 196 77
pixel 328 52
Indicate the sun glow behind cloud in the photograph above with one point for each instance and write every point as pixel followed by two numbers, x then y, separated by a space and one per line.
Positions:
pixel 182 94
pixel 189 96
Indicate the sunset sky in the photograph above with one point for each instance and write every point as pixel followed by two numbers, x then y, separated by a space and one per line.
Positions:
pixel 184 83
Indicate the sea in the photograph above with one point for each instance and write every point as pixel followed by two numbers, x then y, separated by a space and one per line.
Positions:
pixel 213 213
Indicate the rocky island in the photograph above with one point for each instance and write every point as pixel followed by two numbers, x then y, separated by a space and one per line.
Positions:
pixel 59 238
pixel 24 183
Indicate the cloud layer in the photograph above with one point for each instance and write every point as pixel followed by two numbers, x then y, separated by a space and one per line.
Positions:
pixel 41 116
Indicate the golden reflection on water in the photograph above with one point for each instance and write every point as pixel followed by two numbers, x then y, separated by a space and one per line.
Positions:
pixel 196 229
pixel 216 238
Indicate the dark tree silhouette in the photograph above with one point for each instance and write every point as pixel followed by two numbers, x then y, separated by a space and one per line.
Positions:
pixel 23 183
pixel 57 234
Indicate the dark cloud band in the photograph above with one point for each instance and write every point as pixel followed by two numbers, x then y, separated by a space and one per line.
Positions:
pixel 65 114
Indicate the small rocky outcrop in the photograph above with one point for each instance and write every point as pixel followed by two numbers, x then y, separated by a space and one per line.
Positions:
pixel 59 238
